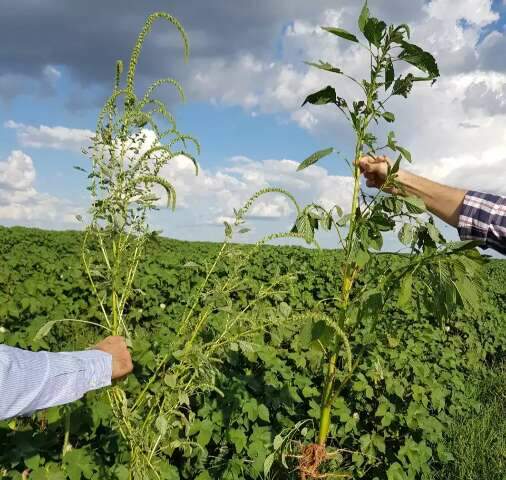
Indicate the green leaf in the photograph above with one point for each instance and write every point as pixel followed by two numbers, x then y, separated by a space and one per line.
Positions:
pixel 278 441
pixel 324 66
pixel 228 230
pixel 434 233
pixel 407 234
pixel 33 462
pixel 391 141
pixel 238 438
pixel 263 413
pixel 322 97
pixel 304 226
pixel 373 31
pixel 405 153
pixel 315 157
pixel 322 332
pixel 44 330
pixel 389 74
pixel 389 117
pixel 361 258
pixel 379 442
pixel 251 409
pixel 414 204
pixel 403 86
pixel 341 33
pixel 405 291
pixel 161 425
pixel 396 472
pixel 205 432
pixel 364 17
pixel 419 58
pixel 269 460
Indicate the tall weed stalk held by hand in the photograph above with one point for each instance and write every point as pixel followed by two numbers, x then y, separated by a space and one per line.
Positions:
pixel 136 138
pixel 440 275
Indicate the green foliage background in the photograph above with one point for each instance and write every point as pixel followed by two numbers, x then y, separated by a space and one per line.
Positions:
pixel 406 392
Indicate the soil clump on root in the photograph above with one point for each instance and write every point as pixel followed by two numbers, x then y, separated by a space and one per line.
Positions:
pixel 311 458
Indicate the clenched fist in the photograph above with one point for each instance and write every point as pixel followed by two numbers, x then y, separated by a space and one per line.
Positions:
pixel 121 359
pixel 374 169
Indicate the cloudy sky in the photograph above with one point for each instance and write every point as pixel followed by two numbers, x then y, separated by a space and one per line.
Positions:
pixel 245 82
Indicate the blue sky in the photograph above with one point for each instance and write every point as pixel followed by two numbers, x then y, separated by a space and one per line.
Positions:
pixel 245 83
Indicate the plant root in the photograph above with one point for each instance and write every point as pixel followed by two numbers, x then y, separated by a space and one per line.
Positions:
pixel 311 458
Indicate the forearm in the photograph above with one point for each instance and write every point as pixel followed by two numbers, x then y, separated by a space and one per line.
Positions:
pixel 32 381
pixel 443 201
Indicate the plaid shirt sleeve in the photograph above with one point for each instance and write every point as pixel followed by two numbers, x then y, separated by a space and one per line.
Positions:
pixel 483 218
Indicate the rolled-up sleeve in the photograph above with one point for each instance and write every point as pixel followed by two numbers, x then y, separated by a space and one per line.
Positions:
pixel 31 381
pixel 483 218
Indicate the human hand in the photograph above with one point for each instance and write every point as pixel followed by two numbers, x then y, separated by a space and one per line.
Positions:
pixel 121 360
pixel 374 169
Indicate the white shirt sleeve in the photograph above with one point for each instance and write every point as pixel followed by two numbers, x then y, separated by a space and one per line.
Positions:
pixel 31 381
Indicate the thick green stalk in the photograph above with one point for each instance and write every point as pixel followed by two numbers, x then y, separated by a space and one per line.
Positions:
pixel 349 270
pixel 326 401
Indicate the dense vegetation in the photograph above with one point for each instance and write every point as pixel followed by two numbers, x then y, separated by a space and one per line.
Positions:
pixel 391 416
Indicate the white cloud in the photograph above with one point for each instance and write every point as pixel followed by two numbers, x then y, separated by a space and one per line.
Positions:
pixel 17 173
pixel 477 12
pixel 51 73
pixel 21 203
pixel 57 138
pixel 211 197
pixel 455 130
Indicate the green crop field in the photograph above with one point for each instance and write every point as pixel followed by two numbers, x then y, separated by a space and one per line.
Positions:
pixel 397 417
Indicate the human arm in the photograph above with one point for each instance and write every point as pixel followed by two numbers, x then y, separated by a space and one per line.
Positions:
pixel 441 200
pixel 477 216
pixel 32 381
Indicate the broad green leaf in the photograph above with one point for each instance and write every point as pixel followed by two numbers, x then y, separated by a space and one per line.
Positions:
pixel 402 86
pixel 304 227
pixel 269 460
pixel 373 30
pixel 33 462
pixel 361 258
pixel 322 332
pixel 278 441
pixel 341 33
pixel 251 409
pixel 379 442
pixel 364 16
pixel 434 233
pixel 238 438
pixel 389 74
pixel 203 476
pixel 407 234
pixel 263 413
pixel 389 117
pixel 391 141
pixel 205 432
pixel 419 58
pixel 405 291
pixel 228 230
pixel 405 153
pixel 315 157
pixel 322 97
pixel 414 204
pixel 396 472
pixel 161 425
pixel 324 66
pixel 44 330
